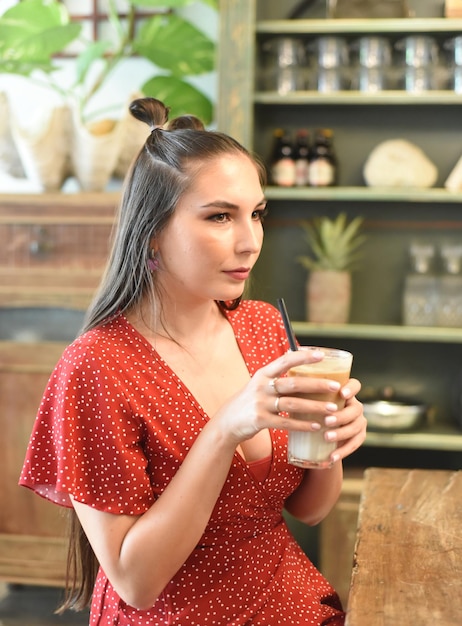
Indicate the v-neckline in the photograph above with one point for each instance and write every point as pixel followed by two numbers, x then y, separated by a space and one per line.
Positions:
pixel 186 389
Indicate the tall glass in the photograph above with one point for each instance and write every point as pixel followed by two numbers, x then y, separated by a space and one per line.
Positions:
pixel 310 449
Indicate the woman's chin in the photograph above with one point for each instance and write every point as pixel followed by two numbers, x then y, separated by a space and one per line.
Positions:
pixel 232 294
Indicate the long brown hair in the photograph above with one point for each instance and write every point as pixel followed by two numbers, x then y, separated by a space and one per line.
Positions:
pixel 158 177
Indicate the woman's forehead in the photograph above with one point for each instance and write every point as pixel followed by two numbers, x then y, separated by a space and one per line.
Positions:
pixel 224 166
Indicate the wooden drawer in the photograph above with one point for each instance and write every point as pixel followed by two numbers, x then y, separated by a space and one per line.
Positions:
pixel 53 247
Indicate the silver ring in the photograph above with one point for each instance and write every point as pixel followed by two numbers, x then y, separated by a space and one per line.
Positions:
pixel 272 383
pixel 276 404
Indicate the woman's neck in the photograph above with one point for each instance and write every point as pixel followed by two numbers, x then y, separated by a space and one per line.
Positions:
pixel 185 325
pixel 193 326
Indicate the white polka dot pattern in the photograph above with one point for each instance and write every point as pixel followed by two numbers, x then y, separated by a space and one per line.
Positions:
pixel 113 427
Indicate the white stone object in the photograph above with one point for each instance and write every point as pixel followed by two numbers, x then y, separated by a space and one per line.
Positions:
pixel 454 180
pixel 399 163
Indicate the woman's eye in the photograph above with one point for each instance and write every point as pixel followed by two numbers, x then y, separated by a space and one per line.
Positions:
pixel 220 217
pixel 260 214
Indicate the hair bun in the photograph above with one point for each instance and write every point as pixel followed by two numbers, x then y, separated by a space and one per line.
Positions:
pixel 152 112
pixel 186 121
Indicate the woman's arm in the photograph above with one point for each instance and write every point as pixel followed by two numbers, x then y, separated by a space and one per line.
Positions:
pixel 316 494
pixel 320 489
pixel 140 554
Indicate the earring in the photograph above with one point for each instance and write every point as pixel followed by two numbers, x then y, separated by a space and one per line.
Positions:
pixel 153 260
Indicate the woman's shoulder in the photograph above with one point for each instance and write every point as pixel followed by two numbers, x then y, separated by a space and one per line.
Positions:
pixel 105 342
pixel 259 316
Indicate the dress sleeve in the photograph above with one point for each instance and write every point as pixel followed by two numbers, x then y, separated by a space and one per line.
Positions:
pixel 259 329
pixel 87 441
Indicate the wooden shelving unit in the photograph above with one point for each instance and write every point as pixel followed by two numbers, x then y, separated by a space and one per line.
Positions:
pixel 392 216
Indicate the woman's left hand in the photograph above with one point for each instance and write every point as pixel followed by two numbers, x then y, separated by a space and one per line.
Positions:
pixel 347 426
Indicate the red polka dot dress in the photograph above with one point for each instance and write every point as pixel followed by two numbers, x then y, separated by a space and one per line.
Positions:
pixel 113 427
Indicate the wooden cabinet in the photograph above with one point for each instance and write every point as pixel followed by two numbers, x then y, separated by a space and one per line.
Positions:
pixel 53 249
pixel 32 546
pixel 420 362
pixel 424 363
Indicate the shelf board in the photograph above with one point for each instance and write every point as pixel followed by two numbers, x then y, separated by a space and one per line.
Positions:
pixel 358 26
pixel 365 194
pixel 361 98
pixel 437 437
pixel 378 332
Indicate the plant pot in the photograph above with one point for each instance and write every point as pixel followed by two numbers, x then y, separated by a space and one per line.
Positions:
pixel 44 151
pixel 10 161
pixel 134 134
pixel 95 151
pixel 328 297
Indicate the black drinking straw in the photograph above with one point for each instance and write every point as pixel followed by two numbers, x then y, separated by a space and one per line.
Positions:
pixel 287 324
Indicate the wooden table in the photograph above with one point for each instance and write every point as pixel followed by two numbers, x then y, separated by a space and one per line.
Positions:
pixel 408 555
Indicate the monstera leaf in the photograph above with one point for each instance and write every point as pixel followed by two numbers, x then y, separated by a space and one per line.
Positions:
pixel 172 43
pixel 31 32
pixel 181 97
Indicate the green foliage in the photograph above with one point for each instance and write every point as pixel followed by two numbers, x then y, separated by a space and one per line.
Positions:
pixel 160 4
pixel 334 244
pixel 31 32
pixel 173 43
pixel 184 98
pixel 35 30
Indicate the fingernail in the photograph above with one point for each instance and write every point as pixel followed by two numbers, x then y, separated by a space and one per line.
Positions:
pixel 315 426
pixel 334 385
pixel 330 406
pixel 346 392
pixel 330 420
pixel 335 458
pixel 331 435
pixel 317 354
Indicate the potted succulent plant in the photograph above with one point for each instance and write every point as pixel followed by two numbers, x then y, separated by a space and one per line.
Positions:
pixel 33 32
pixel 334 252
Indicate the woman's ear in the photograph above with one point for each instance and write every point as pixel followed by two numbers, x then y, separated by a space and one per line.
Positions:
pixel 153 260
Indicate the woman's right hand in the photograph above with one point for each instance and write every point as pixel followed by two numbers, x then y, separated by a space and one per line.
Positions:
pixel 268 397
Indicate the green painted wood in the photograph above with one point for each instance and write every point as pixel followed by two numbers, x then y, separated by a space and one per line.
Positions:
pixel 365 194
pixel 236 53
pixel 438 437
pixel 358 98
pixel 383 332
pixel 353 26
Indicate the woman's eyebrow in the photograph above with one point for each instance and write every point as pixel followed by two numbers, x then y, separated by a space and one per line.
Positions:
pixel 224 204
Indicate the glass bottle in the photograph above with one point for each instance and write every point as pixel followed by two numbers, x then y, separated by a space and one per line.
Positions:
pixel 301 157
pixel 449 309
pixel 420 288
pixel 323 162
pixel 282 166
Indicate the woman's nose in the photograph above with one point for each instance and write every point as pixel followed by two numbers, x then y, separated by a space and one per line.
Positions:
pixel 250 237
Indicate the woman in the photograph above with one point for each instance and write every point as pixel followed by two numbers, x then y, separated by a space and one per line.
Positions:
pixel 160 424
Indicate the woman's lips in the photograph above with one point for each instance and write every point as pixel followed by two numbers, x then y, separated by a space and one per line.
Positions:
pixel 240 273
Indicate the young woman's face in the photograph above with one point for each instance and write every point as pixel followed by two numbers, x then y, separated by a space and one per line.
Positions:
pixel 214 237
